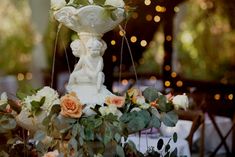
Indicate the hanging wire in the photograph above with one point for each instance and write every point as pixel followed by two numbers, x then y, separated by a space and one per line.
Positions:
pixel 66 56
pixel 54 54
pixel 129 49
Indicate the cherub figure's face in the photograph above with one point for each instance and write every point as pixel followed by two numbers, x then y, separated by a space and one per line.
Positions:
pixel 77 48
pixel 94 47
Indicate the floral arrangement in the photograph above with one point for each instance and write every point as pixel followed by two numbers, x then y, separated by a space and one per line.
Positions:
pixel 44 124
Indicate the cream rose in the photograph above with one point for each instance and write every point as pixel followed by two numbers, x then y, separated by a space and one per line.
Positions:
pixel 115 3
pixel 3 99
pixel 71 106
pixel 180 101
pixel 105 110
pixel 55 153
pixel 117 101
pixel 57 4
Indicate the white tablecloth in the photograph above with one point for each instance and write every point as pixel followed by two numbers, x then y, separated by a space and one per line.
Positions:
pixel 143 143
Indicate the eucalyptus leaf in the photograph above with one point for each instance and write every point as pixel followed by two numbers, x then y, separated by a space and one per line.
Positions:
pixel 75 130
pixel 120 151
pixel 107 135
pixel 3 107
pixel 155 122
pixel 150 94
pixel 89 134
pixel 39 135
pixel 6 123
pixel 99 2
pixel 170 118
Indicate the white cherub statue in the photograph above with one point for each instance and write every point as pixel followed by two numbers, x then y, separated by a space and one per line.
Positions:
pixel 90 65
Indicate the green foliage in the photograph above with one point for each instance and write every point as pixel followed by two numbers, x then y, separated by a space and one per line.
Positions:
pixel 7 123
pixel 151 94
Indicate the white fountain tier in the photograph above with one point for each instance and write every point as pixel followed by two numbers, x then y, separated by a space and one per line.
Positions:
pixel 90 22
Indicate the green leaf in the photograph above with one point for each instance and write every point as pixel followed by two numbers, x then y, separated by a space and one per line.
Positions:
pixel 150 94
pixel 107 135
pixel 7 122
pixel 99 2
pixel 75 130
pixel 21 95
pixel 81 2
pixel 170 118
pixel 89 134
pixel 175 137
pixel 120 151
pixel 155 122
pixel 117 137
pixel 39 135
pixel 73 144
pixel 3 107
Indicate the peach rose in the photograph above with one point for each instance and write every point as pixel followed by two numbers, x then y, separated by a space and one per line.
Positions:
pixel 55 153
pixel 117 101
pixel 71 106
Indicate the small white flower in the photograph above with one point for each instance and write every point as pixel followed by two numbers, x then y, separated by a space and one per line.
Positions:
pixel 115 3
pixel 3 99
pixel 180 101
pixel 57 4
pixel 137 109
pixel 145 106
pixel 140 100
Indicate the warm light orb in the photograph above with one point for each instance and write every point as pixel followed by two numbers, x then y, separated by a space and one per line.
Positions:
pixel 167 67
pixel 179 83
pixel 217 96
pixel 133 39
pixel 29 76
pixel 20 76
pixel 168 38
pixel 124 82
pixel 113 42
pixel 135 15
pixel 230 96
pixel 121 33
pixel 167 83
pixel 173 74
pixel 176 9
pixel 149 17
pixel 153 78
pixel 114 58
pixel 157 18
pixel 161 9
pixel 147 2
pixel 143 43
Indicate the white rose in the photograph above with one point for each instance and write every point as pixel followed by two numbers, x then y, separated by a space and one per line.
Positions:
pixel 3 99
pixel 105 110
pixel 57 4
pixel 115 3
pixel 181 101
pixel 51 97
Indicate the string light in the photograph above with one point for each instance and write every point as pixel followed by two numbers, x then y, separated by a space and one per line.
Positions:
pixel 121 33
pixel 176 9
pixel 168 38
pixel 135 15
pixel 143 43
pixel 217 96
pixel 133 39
pixel 29 76
pixel 124 82
pixel 167 83
pixel 152 78
pixel 147 2
pixel 167 67
pixel 157 18
pixel 230 96
pixel 149 17
pixel 161 9
pixel 173 74
pixel 179 83
pixel 114 58
pixel 20 76
pixel 113 42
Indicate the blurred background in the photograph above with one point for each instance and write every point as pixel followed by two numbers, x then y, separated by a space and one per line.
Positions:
pixel 180 46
